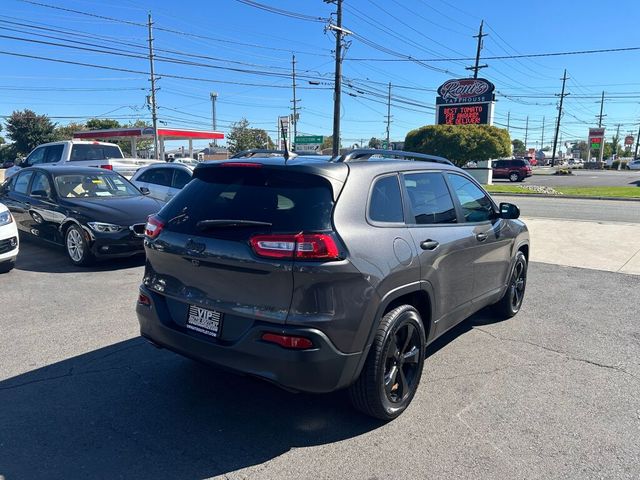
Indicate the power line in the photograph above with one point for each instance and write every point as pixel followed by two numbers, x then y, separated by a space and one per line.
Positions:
pixel 286 13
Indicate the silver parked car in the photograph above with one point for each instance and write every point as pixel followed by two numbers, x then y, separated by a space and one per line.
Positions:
pixel 163 180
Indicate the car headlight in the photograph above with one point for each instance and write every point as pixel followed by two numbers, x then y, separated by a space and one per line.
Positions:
pixel 104 227
pixel 5 218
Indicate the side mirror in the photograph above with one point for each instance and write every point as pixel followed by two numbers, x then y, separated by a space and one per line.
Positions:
pixel 145 190
pixel 509 211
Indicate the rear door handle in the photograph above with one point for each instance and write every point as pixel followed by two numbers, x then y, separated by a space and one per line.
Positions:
pixel 429 244
pixel 481 237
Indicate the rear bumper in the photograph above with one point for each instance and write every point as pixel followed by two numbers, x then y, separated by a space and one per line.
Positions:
pixel 321 369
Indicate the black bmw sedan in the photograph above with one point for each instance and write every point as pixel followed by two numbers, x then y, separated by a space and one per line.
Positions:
pixel 93 213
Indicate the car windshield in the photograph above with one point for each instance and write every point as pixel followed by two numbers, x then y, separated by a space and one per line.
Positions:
pixel 94 151
pixel 94 185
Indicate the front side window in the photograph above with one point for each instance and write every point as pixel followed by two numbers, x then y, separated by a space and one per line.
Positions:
pixel 430 198
pixel 22 182
pixel 476 205
pixel 386 201
pixel 41 185
pixel 36 157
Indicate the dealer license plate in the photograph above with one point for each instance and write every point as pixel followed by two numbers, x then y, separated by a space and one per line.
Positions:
pixel 204 321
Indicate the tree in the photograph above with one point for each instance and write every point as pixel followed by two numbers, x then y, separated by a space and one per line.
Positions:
pixel 327 142
pixel 28 130
pixel 519 147
pixel 242 137
pixel 102 124
pixel 375 143
pixel 460 143
pixel 584 150
pixel 66 132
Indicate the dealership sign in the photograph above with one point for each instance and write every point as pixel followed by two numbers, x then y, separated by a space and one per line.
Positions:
pixel 628 140
pixel 465 101
pixel 466 90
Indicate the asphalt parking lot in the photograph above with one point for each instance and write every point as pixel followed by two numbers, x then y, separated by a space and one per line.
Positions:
pixel 551 393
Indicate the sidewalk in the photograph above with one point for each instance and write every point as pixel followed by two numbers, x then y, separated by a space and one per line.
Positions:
pixel 614 247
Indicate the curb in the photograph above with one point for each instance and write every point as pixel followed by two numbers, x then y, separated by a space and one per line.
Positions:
pixel 546 195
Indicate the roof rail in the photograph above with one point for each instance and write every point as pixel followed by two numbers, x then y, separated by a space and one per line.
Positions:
pixel 364 154
pixel 265 151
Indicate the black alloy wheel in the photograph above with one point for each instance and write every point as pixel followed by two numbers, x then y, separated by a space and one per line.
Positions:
pixel 391 374
pixel 511 302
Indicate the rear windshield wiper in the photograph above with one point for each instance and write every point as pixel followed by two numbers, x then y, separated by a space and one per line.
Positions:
pixel 206 224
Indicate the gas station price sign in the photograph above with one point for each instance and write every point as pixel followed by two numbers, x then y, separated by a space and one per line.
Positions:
pixel 595 143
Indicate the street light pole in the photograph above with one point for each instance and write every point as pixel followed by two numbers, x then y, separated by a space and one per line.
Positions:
pixel 152 79
pixel 214 97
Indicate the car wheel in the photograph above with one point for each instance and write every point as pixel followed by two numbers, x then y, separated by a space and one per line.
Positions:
pixel 514 177
pixel 511 301
pixel 7 265
pixel 392 371
pixel 77 247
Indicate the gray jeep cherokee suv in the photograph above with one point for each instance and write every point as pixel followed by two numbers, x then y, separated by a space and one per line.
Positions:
pixel 320 274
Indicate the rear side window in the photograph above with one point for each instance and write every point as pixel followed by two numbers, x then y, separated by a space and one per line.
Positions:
pixel 54 154
pixel 83 151
pixel 386 201
pixel 291 202
pixel 180 178
pixel 429 198
pixel 157 176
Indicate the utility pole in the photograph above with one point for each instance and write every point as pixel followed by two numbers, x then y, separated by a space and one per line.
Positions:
pixel 526 133
pixel 635 155
pixel 508 120
pixel 337 90
pixel 477 65
pixel 294 120
pixel 389 117
pixel 599 117
pixel 555 139
pixel 214 97
pixel 542 139
pixel 618 145
pixel 152 79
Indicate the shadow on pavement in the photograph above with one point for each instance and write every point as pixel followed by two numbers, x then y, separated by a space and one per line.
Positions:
pixel 38 256
pixel 131 411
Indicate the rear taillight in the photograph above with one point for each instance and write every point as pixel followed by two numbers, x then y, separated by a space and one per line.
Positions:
pixel 144 300
pixel 305 246
pixel 107 167
pixel 288 341
pixel 154 227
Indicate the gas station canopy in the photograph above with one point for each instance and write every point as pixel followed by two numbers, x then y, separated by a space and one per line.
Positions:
pixel 164 133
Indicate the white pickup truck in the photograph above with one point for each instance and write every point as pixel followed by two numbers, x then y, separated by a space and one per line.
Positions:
pixel 81 153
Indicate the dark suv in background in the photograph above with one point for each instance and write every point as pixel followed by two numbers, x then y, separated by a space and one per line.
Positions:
pixel 515 170
pixel 319 275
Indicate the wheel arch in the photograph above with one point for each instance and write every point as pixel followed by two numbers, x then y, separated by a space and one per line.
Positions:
pixel 418 294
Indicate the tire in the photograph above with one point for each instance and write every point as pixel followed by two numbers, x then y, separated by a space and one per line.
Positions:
pixel 514 177
pixel 7 265
pixel 511 301
pixel 77 247
pixel 388 381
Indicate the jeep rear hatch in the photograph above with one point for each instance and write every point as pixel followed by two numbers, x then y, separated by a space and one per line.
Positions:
pixel 229 239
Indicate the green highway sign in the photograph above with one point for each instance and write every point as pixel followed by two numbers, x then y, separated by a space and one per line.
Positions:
pixel 309 139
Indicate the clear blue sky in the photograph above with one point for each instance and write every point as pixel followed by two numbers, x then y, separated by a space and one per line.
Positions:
pixel 426 29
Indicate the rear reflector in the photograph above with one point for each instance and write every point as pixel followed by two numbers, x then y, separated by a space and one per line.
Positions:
pixel 154 227
pixel 288 341
pixel 107 167
pixel 305 246
pixel 241 164
pixel 144 300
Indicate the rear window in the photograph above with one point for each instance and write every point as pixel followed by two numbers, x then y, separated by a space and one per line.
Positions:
pixel 291 202
pixel 85 151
